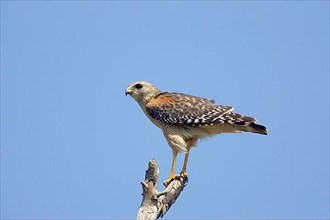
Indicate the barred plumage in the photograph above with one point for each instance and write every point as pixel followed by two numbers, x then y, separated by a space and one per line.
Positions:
pixel 185 118
pixel 187 110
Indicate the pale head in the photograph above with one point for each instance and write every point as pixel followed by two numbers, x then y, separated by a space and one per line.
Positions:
pixel 141 91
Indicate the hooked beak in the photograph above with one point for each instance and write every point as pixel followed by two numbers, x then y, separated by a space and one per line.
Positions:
pixel 128 92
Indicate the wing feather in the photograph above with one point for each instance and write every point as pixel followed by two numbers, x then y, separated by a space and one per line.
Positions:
pixel 179 108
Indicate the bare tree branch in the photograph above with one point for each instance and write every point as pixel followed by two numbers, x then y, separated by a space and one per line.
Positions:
pixel 155 204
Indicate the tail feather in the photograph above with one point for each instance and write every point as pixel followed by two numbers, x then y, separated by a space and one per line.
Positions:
pixel 255 128
pixel 241 123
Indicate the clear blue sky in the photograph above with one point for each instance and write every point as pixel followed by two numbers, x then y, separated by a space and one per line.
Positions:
pixel 73 146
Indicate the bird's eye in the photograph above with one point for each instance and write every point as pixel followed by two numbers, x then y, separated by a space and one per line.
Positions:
pixel 138 86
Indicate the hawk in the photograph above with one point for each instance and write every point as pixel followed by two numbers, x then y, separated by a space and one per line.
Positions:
pixel 184 119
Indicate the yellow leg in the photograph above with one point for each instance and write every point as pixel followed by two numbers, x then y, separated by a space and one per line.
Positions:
pixel 175 154
pixel 184 169
pixel 190 143
pixel 172 176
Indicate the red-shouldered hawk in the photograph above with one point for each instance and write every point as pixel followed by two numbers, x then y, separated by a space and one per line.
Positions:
pixel 184 119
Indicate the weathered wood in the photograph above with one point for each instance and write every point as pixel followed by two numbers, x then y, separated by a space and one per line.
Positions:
pixel 155 204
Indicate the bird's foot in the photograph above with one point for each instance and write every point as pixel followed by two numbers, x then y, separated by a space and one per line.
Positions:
pixel 174 177
pixel 170 179
pixel 183 174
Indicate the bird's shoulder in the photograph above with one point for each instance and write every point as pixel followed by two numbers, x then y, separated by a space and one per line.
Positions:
pixel 175 98
pixel 179 108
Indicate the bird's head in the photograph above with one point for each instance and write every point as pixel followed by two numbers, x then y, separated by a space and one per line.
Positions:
pixel 141 91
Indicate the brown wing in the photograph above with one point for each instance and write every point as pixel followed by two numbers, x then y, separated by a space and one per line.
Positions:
pixel 178 108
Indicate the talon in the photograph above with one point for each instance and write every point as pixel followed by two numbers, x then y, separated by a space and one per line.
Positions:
pixel 183 174
pixel 170 178
pixel 166 182
pixel 174 177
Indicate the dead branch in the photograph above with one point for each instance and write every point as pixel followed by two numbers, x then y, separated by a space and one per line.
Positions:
pixel 155 204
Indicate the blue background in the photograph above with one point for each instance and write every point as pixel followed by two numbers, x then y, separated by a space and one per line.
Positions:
pixel 73 146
